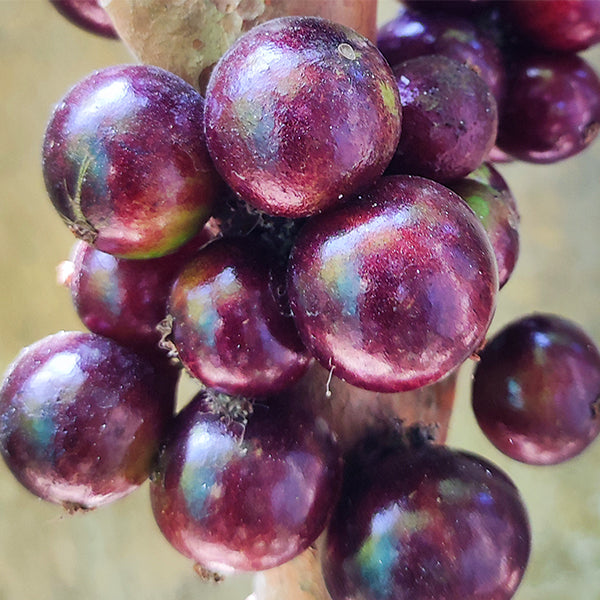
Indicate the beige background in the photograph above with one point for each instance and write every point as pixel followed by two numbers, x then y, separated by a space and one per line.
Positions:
pixel 117 552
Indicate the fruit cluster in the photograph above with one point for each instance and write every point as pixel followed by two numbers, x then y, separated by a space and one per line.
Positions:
pixel 327 202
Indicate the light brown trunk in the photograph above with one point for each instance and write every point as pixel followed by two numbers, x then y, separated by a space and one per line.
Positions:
pixel 189 36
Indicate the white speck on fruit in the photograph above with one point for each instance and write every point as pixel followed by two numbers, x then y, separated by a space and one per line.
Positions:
pixel 347 51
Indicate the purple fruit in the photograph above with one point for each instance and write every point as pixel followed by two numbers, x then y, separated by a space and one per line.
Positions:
pixel 81 418
pixel 486 192
pixel 412 33
pixel 536 390
pixel 125 162
pixel 450 119
pixel 301 112
pixel 248 496
pixel 426 523
pixel 563 25
pixel 126 299
pixel 231 325
pixel 395 289
pixel 552 108
pixel 88 15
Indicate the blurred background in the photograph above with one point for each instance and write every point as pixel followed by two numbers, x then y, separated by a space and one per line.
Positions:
pixel 117 552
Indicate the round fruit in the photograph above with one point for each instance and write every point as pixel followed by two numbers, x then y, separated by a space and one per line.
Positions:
pixel 301 112
pixel 230 323
pixel 415 33
pixel 395 289
pixel 552 108
pixel 564 25
pixel 486 192
pixel 245 495
pixel 81 418
pixel 450 118
pixel 126 299
pixel 426 523
pixel 125 162
pixel 536 390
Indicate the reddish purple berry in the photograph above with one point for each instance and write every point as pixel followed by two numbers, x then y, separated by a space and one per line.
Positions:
pixel 395 289
pixel 536 390
pixel 301 112
pixel 125 162
pixel 81 418
pixel 248 496
pixel 231 326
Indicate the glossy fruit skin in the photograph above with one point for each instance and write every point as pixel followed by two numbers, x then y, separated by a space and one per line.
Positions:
pixel 295 94
pixel 88 15
pixel 488 194
pixel 125 162
pixel 552 108
pixel 126 299
pixel 414 33
pixel 563 25
pixel 425 524
pixel 536 390
pixel 81 418
pixel 245 497
pixel 231 326
pixel 395 289
pixel 450 119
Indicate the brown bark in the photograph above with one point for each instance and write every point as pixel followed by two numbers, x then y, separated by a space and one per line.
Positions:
pixel 188 37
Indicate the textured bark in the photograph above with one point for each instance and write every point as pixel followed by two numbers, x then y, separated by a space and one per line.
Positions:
pixel 187 37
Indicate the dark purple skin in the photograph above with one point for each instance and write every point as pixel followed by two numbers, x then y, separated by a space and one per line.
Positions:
pixel 126 299
pixel 245 498
pixel 231 327
pixel 536 390
pixel 300 113
pixel 450 119
pixel 88 15
pixel 125 162
pixel 465 8
pixel 81 418
pixel 488 194
pixel 412 33
pixel 552 108
pixel 424 524
pixel 563 25
pixel 396 289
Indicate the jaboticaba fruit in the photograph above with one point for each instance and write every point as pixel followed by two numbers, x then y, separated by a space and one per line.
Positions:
pixel 301 112
pixel 125 162
pixel 395 289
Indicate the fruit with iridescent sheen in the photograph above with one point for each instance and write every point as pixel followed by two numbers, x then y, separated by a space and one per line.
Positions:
pixel 126 299
pixel 395 289
pixel 488 194
pixel 231 325
pixel 415 33
pixel 81 418
pixel 425 523
pixel 300 113
pixel 536 390
pixel 245 495
pixel 125 162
